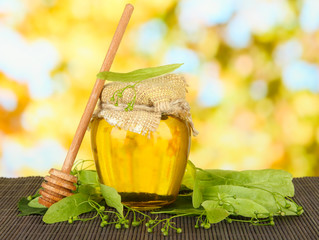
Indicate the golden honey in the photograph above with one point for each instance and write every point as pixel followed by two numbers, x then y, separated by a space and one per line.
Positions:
pixel 146 170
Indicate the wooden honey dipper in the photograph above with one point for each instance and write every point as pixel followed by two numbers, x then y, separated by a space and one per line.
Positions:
pixel 60 183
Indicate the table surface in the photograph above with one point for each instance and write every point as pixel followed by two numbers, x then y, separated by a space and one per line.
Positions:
pixel 14 227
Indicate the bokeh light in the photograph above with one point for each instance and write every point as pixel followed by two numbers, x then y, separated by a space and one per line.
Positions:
pixel 251 65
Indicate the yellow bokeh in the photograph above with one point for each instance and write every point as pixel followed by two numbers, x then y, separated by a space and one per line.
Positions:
pixel 253 79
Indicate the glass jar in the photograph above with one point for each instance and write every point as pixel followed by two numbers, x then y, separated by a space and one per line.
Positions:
pixel 146 170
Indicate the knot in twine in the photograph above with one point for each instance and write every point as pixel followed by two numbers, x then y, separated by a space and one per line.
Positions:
pixel 154 97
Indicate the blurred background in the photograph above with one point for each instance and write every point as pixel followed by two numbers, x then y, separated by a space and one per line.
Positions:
pixel 252 67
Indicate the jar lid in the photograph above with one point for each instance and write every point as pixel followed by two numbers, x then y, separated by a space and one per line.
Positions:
pixel 138 107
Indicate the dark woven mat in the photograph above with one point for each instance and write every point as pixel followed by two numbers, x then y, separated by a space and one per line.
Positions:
pixel 31 227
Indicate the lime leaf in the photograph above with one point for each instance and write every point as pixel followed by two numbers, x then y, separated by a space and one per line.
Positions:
pixel 214 212
pixel 272 180
pixel 197 194
pixel 88 177
pixel 139 74
pixel 247 192
pixel 68 207
pixel 26 210
pixel 34 203
pixel 189 176
pixel 248 207
pixel 112 198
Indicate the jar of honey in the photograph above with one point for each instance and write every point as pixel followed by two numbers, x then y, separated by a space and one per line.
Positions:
pixel 141 153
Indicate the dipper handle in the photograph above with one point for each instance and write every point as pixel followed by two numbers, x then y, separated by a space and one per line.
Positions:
pixel 98 86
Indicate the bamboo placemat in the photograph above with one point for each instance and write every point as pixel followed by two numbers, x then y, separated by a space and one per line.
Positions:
pixel 305 226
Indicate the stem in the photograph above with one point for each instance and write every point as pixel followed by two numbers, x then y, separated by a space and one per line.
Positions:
pixel 134 210
pixel 87 219
pixel 134 219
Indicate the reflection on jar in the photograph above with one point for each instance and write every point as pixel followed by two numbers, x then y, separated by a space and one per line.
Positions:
pixel 146 171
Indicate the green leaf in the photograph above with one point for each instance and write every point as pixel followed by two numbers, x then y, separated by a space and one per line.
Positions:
pixel 26 210
pixel 248 208
pixel 68 207
pixel 258 196
pixel 34 203
pixel 112 198
pixel 272 180
pixel 214 212
pixel 246 192
pixel 189 175
pixel 88 177
pixel 88 182
pixel 138 75
pixel 197 194
pixel 191 181
pixel 89 189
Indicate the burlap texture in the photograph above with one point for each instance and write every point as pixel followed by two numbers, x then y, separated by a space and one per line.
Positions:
pixel 163 95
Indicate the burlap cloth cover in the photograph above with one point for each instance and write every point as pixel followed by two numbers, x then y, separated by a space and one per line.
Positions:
pixel 163 95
